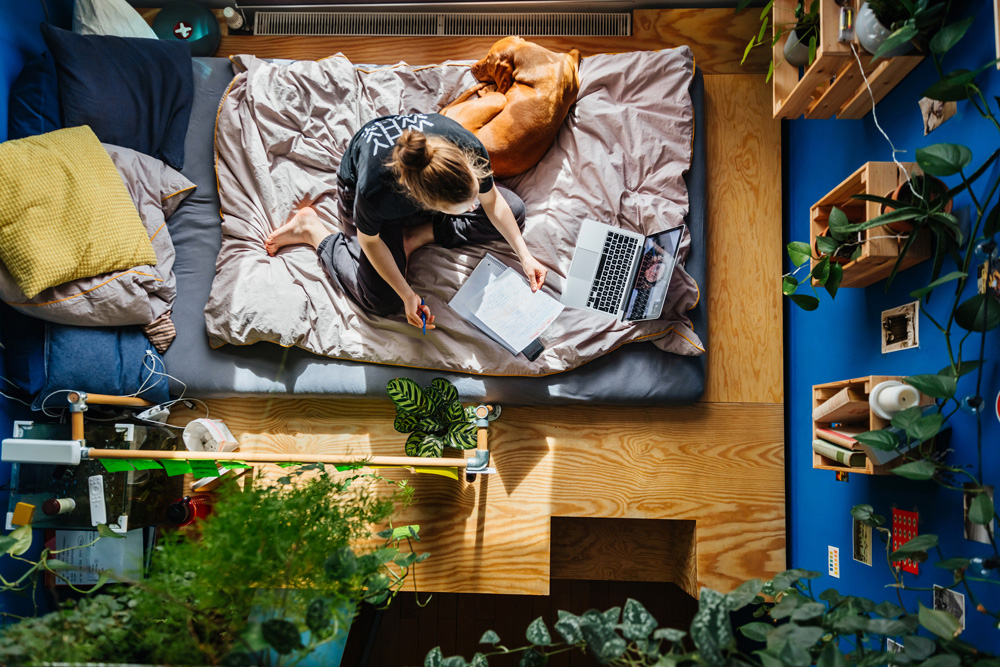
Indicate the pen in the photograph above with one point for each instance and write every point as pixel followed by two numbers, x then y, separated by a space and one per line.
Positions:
pixel 423 315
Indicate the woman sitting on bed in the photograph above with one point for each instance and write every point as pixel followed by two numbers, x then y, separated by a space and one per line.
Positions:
pixel 406 181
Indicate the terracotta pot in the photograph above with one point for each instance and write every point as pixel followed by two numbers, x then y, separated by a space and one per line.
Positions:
pixel 902 190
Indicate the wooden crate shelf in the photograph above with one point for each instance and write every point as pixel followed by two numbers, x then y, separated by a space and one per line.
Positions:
pixel 833 84
pixel 864 385
pixel 879 248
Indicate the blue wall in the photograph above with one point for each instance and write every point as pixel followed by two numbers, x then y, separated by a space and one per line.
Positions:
pixel 20 38
pixel 841 340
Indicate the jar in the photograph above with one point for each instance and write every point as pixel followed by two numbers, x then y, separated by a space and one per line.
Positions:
pixel 184 511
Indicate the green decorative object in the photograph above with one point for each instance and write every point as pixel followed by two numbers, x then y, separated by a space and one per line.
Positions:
pixel 433 416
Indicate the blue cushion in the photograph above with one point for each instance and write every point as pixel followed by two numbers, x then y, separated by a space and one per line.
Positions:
pixel 34 99
pixel 132 92
pixel 23 341
pixel 100 360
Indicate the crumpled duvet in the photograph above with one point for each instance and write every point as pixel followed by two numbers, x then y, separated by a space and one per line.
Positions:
pixel 283 127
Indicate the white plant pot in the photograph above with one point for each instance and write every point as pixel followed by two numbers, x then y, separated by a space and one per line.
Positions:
pixel 796 50
pixel 872 34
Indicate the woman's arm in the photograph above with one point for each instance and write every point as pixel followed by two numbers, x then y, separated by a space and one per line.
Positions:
pixel 380 257
pixel 499 213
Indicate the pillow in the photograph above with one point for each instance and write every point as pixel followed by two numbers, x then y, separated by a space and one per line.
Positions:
pixel 109 17
pixel 34 99
pixel 100 360
pixel 137 295
pixel 135 93
pixel 23 356
pixel 65 213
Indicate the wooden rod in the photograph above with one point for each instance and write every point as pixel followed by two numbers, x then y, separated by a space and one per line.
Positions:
pixel 107 399
pixel 76 424
pixel 481 438
pixel 255 457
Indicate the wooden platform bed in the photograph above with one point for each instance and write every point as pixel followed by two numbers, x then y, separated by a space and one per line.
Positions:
pixel 694 493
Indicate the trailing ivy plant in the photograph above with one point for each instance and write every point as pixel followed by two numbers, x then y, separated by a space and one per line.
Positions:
pixel 433 416
pixel 315 534
pixel 796 629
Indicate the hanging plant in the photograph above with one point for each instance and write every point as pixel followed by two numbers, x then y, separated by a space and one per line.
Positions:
pixel 433 416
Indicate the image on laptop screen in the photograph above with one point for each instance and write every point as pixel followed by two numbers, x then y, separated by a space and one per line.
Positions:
pixel 656 265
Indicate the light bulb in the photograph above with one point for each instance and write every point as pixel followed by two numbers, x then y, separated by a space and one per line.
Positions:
pixel 972 404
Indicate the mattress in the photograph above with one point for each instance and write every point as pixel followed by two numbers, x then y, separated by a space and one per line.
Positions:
pixel 637 373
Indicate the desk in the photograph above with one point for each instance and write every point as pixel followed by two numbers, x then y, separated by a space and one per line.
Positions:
pixel 133 500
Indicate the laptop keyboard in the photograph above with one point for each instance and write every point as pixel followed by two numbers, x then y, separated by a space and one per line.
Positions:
pixel 612 272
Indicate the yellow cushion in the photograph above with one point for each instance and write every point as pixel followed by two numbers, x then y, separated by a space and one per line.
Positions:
pixel 64 211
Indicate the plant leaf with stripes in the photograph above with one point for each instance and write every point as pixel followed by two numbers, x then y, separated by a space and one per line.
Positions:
pixel 408 397
pixel 405 423
pixel 431 425
pixel 431 447
pixel 413 443
pixel 462 436
pixel 447 390
pixel 454 412
pixel 434 399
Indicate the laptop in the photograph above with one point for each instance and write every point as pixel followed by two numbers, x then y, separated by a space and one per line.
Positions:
pixel 621 272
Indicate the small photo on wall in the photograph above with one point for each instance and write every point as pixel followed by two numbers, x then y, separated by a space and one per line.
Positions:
pixel 977 532
pixel 935 112
pixel 862 542
pixel 950 601
pixel 900 328
pixel 989 277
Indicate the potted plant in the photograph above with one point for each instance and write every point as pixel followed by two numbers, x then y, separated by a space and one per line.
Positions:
pixel 803 34
pixel 888 28
pixel 911 192
pixel 433 416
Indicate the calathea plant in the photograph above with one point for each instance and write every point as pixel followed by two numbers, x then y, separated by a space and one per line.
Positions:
pixel 433 416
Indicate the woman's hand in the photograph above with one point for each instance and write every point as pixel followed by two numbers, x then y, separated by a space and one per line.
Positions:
pixel 535 272
pixel 412 307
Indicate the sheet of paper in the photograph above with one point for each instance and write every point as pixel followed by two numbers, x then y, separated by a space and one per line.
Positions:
pixel 515 313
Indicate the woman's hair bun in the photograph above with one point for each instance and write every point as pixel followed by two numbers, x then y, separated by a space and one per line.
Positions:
pixel 411 150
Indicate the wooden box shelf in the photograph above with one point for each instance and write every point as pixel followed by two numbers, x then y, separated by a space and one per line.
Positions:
pixel 864 385
pixel 879 246
pixel 833 84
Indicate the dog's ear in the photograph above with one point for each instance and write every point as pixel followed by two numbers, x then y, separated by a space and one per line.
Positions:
pixel 503 74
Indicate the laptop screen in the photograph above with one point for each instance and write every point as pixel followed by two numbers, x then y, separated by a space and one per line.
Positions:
pixel 656 265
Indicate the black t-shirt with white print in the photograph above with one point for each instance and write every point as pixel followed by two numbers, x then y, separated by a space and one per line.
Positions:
pixel 379 199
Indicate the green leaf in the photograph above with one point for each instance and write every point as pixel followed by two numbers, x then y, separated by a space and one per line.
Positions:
pixel 888 610
pixel 479 660
pixel 952 88
pixel 952 564
pixel 916 470
pixel 454 661
pixel 925 428
pixel 950 35
pixel 568 627
pixel 602 640
pixel 104 531
pixel 943 159
pixel 18 541
pixel 866 515
pixel 833 281
pixel 809 611
pixel 637 623
pixel 788 285
pixel 896 39
pixel 434 399
pixel 670 634
pixel 979 313
pixel 405 422
pixel 915 547
pixel 532 658
pixel 454 412
pixel 490 637
pixel 408 397
pixel 799 252
pixel 821 271
pixel 744 594
pixel 964 368
pixel 411 531
pixel 710 629
pixel 886 626
pixel 991 225
pixel 918 648
pixel 756 631
pixel 940 623
pixel 943 659
pixel 446 389
pixel 341 565
pixel 282 635
pixel 318 615
pixel 830 656
pixel 981 510
pixel 903 420
pixel 805 301
pixel 838 223
pixel 885 441
pixel 827 245
pixel 56 565
pixel 433 657
pixel 538 633
pixel 463 435
pixel 923 291
pixel 785 579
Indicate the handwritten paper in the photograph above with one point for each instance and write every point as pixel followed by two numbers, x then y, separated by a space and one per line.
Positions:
pixel 515 313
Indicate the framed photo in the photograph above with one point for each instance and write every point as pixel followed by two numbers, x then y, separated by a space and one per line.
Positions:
pixel 950 601
pixel 900 327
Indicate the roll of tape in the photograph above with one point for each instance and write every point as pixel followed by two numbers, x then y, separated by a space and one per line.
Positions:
pixel 209 435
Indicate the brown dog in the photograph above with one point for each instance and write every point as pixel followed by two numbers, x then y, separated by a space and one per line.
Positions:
pixel 524 94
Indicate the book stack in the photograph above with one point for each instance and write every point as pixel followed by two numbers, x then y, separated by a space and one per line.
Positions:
pixel 838 419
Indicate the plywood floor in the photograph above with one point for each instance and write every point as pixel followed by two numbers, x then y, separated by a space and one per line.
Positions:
pixel 719 463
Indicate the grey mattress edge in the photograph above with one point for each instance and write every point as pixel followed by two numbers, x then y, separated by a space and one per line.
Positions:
pixel 635 374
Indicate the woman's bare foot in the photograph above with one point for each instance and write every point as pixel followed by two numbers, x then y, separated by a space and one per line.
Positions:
pixel 304 227
pixel 417 237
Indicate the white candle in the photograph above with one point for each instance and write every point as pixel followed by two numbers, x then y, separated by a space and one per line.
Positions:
pixel 897 398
